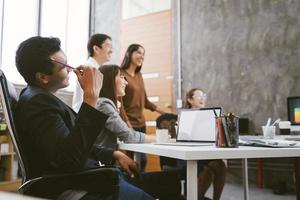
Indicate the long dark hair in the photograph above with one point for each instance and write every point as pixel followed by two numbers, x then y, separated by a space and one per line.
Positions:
pixel 108 88
pixel 127 58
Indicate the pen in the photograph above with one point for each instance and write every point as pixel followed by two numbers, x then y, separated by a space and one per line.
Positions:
pixel 66 65
pixel 215 113
pixel 274 123
pixel 268 122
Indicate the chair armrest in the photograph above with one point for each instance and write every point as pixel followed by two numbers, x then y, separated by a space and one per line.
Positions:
pixel 102 180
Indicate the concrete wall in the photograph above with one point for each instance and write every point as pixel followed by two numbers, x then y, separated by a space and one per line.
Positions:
pixel 244 53
pixel 106 18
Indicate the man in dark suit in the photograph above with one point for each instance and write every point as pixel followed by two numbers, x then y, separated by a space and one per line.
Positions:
pixel 55 139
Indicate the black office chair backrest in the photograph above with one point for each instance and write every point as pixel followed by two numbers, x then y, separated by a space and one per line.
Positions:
pixel 169 117
pixel 166 162
pixel 8 101
pixel 52 186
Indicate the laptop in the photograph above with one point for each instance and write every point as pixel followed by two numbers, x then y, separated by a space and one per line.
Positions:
pixel 196 127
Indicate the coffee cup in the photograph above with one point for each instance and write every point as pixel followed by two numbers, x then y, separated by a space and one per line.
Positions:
pixel 162 135
pixel 269 132
pixel 284 127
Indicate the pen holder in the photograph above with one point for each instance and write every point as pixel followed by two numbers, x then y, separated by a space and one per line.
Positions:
pixel 227 131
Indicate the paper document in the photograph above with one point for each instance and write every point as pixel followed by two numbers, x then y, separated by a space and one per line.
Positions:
pixel 278 143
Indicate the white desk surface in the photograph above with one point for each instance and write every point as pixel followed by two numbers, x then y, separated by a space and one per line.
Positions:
pixel 211 152
pixel 194 153
pixel 15 196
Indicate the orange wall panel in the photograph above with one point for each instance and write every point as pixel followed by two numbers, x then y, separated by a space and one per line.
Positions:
pixel 153 32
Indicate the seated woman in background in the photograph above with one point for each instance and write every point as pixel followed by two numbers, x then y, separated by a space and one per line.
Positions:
pixel 113 89
pixel 212 171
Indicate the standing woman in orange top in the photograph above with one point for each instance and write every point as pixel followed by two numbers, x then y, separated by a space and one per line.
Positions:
pixel 136 99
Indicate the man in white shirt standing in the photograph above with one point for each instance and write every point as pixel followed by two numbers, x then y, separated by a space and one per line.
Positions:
pixel 100 49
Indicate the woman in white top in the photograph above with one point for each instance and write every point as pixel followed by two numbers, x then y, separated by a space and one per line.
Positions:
pixel 213 171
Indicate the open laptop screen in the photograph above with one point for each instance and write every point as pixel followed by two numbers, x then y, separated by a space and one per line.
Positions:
pixel 197 125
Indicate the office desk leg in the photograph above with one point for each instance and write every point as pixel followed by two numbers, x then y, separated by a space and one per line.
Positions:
pixel 192 180
pixel 297 177
pixel 245 178
pixel 137 158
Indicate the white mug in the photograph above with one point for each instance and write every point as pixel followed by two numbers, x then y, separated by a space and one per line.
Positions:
pixel 269 132
pixel 285 127
pixel 162 135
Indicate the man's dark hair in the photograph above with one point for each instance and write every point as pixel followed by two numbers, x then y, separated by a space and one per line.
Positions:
pixel 166 116
pixel 33 55
pixel 127 58
pixel 96 39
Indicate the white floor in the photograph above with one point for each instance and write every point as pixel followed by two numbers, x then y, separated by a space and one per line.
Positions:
pixel 235 192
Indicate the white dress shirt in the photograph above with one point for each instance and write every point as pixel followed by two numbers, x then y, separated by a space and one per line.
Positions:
pixel 78 93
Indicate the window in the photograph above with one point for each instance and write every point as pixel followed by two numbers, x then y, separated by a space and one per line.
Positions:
pixel 1 22
pixel 134 8
pixel 54 19
pixel 68 22
pixel 19 23
pixel 66 19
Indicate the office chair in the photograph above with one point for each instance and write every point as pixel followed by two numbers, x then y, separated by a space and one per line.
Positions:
pixel 53 186
pixel 170 164
pixel 165 162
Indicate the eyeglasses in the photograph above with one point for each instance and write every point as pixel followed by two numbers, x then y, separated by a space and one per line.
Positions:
pixel 65 65
pixel 199 95
pixel 109 45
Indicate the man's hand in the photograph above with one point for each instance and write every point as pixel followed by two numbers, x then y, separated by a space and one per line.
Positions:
pixel 126 163
pixel 90 80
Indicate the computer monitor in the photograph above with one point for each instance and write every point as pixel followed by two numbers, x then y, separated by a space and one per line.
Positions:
pixel 293 110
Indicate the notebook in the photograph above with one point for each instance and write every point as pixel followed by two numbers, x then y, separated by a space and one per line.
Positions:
pixel 196 127
pixel 261 142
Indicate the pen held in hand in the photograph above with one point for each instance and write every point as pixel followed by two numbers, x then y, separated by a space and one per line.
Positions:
pixel 67 66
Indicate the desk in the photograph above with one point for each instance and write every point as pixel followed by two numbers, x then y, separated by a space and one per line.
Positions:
pixel 16 196
pixel 192 154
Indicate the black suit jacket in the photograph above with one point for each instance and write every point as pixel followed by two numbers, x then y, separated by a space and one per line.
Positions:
pixel 55 139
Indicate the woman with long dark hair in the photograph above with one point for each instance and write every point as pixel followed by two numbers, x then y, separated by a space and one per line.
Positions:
pixel 113 89
pixel 135 99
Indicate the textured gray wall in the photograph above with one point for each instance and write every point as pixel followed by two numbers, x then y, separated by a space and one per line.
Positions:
pixel 106 18
pixel 244 53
